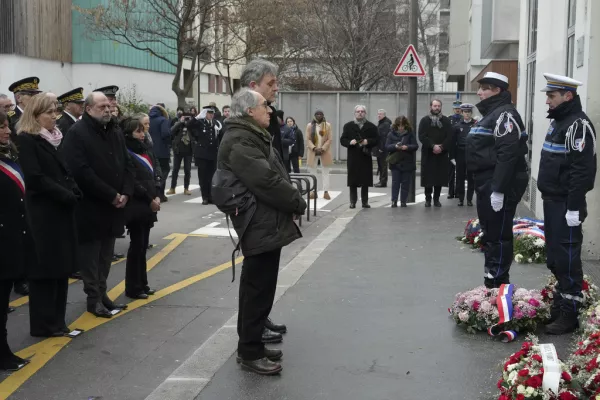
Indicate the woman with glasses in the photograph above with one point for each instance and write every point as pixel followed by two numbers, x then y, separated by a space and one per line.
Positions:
pixel 51 196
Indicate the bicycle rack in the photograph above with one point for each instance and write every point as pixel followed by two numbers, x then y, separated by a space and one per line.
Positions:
pixel 305 179
pixel 314 188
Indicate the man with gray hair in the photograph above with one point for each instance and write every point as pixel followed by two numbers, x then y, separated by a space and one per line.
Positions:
pixel 6 103
pixel 261 76
pixel 98 159
pixel 264 228
pixel 384 127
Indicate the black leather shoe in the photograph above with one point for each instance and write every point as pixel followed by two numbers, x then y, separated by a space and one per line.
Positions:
pixel 47 334
pixel 75 275
pixel 9 364
pixel 366 205
pixel 271 354
pixel 269 336
pixel 450 196
pixel 119 255
pixel 394 204
pixel 403 205
pixel 262 366
pixel 352 205
pixel 279 328
pixel 10 309
pixel 437 203
pixel 112 306
pixel 461 203
pixel 204 202
pixel 565 323
pixel 65 329
pixel 149 291
pixel 115 259
pixel 22 288
pixel 380 185
pixel 427 203
pixel 469 203
pixel 19 360
pixel 99 310
pixel 138 296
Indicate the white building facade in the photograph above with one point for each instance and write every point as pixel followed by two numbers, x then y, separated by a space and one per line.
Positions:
pixel 560 37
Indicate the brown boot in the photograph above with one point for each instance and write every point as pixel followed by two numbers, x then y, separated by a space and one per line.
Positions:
pixel 326 196
pixel 187 192
pixel 313 195
pixel 171 191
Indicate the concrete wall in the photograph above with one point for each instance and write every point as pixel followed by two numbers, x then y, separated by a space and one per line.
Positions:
pixel 459 37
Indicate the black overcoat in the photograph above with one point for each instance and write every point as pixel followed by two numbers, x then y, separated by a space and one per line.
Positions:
pixel 15 237
pixel 434 167
pixel 102 167
pixel 360 163
pixel 64 123
pixel 205 139
pixel 147 184
pixel 50 198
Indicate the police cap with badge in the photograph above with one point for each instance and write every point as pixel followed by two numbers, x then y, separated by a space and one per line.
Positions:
pixel 467 107
pixel 109 91
pixel 457 104
pixel 72 96
pixel 496 79
pixel 26 85
pixel 560 82
pixel 209 109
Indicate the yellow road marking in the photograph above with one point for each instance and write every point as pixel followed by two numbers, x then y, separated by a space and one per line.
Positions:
pixel 25 299
pixel 42 352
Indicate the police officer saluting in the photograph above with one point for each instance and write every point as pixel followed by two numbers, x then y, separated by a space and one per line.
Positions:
pixel 495 154
pixel 461 130
pixel 72 103
pixel 567 173
pixel 205 132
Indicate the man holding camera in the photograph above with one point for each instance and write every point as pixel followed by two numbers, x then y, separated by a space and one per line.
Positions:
pixel 360 136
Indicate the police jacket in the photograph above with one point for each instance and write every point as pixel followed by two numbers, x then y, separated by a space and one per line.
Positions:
pixel 497 144
pixel 568 162
pixel 456 118
pixel 205 138
pixel 461 130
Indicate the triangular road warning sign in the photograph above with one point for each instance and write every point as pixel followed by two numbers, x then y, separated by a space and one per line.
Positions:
pixel 410 64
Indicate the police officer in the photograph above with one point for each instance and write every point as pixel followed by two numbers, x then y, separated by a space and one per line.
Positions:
pixel 567 172
pixel 495 153
pixel 23 90
pixel 204 132
pixel 72 103
pixel 454 119
pixel 461 130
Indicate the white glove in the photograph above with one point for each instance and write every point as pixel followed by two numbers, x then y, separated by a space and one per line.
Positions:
pixel 453 161
pixel 497 200
pixel 572 218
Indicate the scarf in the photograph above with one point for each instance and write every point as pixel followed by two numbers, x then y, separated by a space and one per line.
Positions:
pixel 54 137
pixel 436 120
pixel 313 130
pixel 360 123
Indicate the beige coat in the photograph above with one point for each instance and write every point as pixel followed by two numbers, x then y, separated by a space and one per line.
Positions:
pixel 326 157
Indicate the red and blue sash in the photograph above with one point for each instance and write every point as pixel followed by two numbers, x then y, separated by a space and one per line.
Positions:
pixel 13 171
pixel 144 159
pixel 505 309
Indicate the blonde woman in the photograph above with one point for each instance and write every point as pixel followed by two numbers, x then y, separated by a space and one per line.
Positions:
pixel 318 143
pixel 50 199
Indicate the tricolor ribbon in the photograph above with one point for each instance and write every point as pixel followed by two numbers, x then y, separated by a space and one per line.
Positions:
pixel 13 171
pixel 505 309
pixel 144 159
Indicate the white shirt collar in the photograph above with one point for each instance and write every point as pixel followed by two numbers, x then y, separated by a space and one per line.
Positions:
pixel 70 115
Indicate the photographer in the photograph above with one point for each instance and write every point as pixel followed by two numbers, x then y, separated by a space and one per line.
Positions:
pixel 360 136
pixel 182 150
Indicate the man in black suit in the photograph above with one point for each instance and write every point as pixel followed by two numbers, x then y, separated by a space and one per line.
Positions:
pixel 72 103
pixel 98 159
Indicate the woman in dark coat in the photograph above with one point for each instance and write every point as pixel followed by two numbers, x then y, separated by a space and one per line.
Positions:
pixel 297 150
pixel 15 241
pixel 401 146
pixel 435 134
pixel 359 136
pixel 51 197
pixel 140 212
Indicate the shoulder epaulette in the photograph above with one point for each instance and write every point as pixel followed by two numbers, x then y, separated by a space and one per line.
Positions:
pixel 59 117
pixel 10 113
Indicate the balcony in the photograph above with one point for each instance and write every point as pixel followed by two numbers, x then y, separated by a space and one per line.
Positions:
pixel 500 29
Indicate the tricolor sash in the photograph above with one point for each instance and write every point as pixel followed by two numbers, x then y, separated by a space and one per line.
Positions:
pixel 505 309
pixel 144 159
pixel 13 171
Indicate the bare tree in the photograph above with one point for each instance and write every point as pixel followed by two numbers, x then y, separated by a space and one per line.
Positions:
pixel 428 37
pixel 170 30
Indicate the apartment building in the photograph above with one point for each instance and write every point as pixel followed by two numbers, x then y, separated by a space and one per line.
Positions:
pixel 560 37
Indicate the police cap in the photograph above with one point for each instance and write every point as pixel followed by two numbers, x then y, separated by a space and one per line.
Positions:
pixel 109 91
pixel 496 79
pixel 29 85
pixel 560 82
pixel 72 96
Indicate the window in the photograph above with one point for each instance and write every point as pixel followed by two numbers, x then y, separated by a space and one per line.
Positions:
pixel 443 64
pixel 571 18
pixel 533 17
pixel 444 41
pixel 431 40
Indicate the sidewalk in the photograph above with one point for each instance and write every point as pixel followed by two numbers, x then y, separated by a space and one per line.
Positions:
pixel 369 319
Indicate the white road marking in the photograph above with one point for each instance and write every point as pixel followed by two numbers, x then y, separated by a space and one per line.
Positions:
pixel 195 200
pixel 212 230
pixel 321 202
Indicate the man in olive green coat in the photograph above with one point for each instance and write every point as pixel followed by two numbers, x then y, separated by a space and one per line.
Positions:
pixel 247 152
